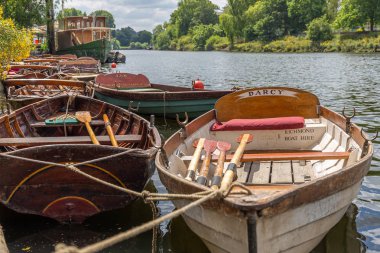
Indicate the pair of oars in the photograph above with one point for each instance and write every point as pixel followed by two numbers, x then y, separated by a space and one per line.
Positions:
pixel 85 117
pixel 210 147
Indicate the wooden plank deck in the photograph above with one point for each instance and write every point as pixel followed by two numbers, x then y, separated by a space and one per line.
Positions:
pixel 285 172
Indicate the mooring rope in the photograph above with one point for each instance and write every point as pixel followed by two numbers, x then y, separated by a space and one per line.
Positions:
pixel 96 247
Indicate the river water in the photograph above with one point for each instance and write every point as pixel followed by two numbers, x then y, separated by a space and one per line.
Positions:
pixel 351 80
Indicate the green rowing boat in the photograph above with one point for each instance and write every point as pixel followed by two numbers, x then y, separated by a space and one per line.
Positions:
pixel 137 93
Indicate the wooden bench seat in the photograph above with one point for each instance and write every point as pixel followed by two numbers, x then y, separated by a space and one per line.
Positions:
pixel 43 124
pixel 284 156
pixel 38 141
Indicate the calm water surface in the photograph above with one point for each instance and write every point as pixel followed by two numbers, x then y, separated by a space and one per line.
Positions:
pixel 339 80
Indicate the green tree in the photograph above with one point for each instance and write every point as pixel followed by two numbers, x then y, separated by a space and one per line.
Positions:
pixel 110 21
pixel 71 12
pixel 302 12
pixel 227 24
pixel 125 35
pixel 332 9
pixel 25 13
pixel 319 30
pixel 268 19
pixel 357 13
pixel 191 13
pixel 201 33
pixel 144 36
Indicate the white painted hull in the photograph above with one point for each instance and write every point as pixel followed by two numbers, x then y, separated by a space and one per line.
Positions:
pixel 294 231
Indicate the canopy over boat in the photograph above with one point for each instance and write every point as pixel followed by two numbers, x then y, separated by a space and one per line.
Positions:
pixel 301 167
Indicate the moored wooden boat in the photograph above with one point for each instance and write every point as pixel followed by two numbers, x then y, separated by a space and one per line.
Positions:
pixel 124 89
pixel 43 131
pixel 26 91
pixel 303 168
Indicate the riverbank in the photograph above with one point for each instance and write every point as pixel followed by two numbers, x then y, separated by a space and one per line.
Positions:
pixel 356 43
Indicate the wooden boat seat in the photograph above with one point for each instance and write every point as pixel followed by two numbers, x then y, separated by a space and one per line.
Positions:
pixel 38 141
pixel 303 156
pixel 43 124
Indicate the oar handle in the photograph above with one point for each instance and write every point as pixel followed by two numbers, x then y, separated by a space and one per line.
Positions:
pixel 202 179
pixel 91 133
pixel 109 130
pixel 217 178
pixel 195 160
pixel 231 169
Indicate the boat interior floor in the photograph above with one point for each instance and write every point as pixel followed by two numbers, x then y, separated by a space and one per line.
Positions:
pixel 278 157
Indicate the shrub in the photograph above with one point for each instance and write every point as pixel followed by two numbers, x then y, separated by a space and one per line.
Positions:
pixel 185 43
pixel 216 42
pixel 15 44
pixel 319 30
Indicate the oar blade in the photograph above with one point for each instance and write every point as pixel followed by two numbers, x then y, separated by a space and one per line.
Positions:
pixel 210 146
pixel 83 116
pixel 223 146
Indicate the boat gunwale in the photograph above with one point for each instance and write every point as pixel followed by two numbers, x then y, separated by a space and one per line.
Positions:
pixel 169 95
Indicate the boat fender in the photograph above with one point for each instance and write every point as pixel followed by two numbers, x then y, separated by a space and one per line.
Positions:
pixel 198 85
pixel 113 65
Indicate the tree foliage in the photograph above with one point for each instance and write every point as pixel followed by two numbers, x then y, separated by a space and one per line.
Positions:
pixel 69 12
pixel 354 13
pixel 319 30
pixel 15 44
pixel 191 13
pixel 128 35
pixel 110 21
pixel 24 13
pixel 268 19
pixel 302 12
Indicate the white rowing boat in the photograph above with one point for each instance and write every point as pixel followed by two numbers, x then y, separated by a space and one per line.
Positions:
pixel 303 168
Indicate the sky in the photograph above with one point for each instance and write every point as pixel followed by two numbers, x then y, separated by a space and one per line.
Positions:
pixel 138 14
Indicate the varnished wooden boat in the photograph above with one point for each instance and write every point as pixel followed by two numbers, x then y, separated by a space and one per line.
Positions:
pixel 26 91
pixel 302 178
pixel 124 89
pixel 37 131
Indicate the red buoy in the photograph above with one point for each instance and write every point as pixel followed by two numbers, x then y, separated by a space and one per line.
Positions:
pixel 198 85
pixel 113 65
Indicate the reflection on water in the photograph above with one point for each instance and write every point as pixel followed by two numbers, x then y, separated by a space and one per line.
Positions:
pixel 337 79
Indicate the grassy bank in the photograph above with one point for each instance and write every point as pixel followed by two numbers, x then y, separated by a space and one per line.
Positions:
pixel 340 43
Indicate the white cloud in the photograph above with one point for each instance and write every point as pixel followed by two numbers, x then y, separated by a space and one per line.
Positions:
pixel 138 14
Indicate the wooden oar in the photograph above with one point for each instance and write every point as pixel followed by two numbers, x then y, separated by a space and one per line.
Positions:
pixel 85 117
pixel 231 169
pixel 195 160
pixel 109 130
pixel 209 147
pixel 217 178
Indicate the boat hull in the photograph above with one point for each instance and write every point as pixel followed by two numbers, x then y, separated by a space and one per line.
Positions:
pixel 169 108
pixel 98 49
pixel 298 230
pixel 64 195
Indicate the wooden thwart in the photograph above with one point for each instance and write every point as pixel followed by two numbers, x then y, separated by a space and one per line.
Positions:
pixel 285 156
pixel 43 124
pixel 37 141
